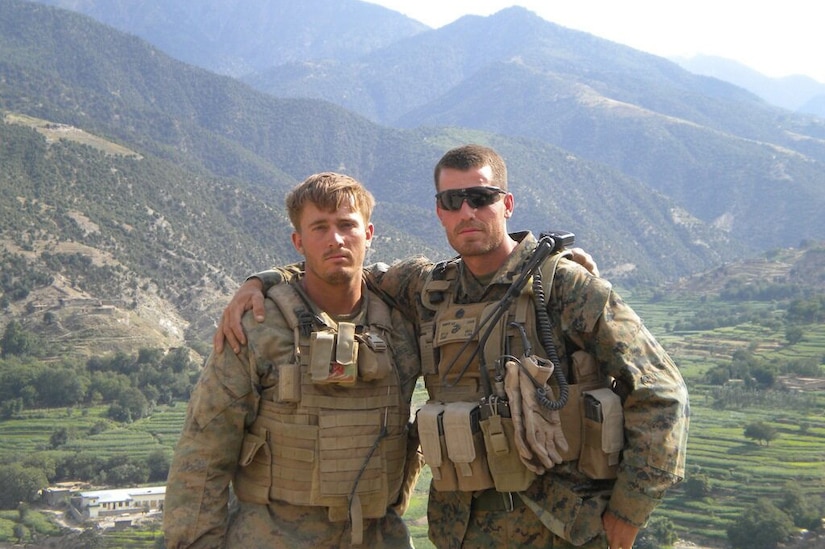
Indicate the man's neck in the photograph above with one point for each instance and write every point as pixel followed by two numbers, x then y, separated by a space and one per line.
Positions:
pixel 334 299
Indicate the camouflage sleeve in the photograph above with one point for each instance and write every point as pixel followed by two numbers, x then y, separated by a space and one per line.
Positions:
pixel 405 352
pixel 400 284
pixel 197 490
pixel 656 407
pixel 278 275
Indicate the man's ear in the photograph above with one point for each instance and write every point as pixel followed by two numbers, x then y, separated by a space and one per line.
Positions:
pixel 297 242
pixel 509 205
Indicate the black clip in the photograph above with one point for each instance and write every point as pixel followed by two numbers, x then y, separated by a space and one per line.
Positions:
pixel 305 319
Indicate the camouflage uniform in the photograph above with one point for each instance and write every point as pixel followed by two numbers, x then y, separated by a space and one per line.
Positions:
pixel 587 314
pixel 223 406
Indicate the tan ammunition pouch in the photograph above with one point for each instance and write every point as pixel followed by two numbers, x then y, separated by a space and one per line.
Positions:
pixel 596 444
pixel 318 438
pixel 453 446
pixel 506 467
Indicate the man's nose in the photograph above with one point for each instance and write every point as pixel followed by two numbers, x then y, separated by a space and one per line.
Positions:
pixel 337 239
pixel 466 210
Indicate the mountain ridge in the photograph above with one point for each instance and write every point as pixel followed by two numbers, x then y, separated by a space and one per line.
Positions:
pixel 200 207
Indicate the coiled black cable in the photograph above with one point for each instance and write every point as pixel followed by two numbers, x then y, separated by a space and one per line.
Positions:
pixel 545 334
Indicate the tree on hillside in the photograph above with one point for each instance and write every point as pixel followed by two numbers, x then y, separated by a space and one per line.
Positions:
pixel 17 341
pixel 660 533
pixel 130 406
pixel 761 526
pixel 121 470
pixel 158 462
pixel 794 334
pixel 60 436
pixel 20 484
pixel 698 486
pixel 761 431
pixel 806 511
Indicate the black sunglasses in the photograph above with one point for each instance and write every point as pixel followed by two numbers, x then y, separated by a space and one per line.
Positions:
pixel 476 197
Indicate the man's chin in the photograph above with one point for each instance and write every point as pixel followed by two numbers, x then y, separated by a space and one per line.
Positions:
pixel 341 278
pixel 471 249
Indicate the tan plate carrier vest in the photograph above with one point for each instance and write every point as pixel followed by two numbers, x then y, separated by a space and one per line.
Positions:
pixel 323 437
pixel 467 435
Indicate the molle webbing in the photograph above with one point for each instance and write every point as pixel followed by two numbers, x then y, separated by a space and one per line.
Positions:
pixel 447 335
pixel 441 340
pixel 340 446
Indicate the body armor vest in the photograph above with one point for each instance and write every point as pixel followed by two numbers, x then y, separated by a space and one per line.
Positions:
pixel 462 359
pixel 332 432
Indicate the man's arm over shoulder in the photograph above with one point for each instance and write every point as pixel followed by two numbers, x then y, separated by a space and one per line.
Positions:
pixel 250 296
pixel 400 284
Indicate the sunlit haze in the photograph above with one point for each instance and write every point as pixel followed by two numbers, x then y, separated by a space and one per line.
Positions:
pixel 774 38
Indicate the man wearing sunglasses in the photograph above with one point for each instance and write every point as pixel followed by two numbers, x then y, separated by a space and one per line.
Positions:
pixel 595 339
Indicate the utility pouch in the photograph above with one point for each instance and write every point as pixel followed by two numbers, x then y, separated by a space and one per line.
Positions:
pixel 571 423
pixel 465 446
pixel 508 472
pixel 584 377
pixel 289 383
pixel 254 477
pixel 373 357
pixel 425 343
pixel 333 358
pixel 430 419
pixel 603 434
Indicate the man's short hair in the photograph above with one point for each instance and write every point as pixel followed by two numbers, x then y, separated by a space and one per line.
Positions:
pixel 329 191
pixel 473 156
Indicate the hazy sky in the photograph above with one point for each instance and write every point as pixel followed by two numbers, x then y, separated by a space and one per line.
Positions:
pixel 775 38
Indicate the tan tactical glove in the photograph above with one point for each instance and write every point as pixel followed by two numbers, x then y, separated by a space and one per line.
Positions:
pixel 538 432
pixel 513 391
pixel 542 426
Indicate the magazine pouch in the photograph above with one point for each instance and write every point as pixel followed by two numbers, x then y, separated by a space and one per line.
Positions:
pixel 602 434
pixel 430 419
pixel 508 471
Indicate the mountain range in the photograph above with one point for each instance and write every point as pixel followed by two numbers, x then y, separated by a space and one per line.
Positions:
pixel 147 146
pixel 795 93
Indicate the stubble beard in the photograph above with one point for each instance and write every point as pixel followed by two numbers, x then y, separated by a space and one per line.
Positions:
pixel 475 246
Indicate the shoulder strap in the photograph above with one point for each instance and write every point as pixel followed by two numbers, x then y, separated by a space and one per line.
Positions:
pixel 439 284
pixel 294 310
pixel 548 270
pixel 378 312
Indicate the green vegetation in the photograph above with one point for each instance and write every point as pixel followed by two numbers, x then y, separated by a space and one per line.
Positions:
pixel 773 392
pixel 749 386
pixel 23 525
pixel 134 183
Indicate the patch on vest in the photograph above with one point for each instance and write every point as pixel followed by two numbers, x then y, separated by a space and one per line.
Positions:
pixel 459 329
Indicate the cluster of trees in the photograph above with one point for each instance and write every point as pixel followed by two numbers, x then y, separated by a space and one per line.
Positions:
pixel 711 316
pixel 22 482
pixel 767 525
pixel 758 373
pixel 739 304
pixel 764 524
pixel 737 289
pixel 807 311
pixel 102 281
pixel 131 385
pixel 18 277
